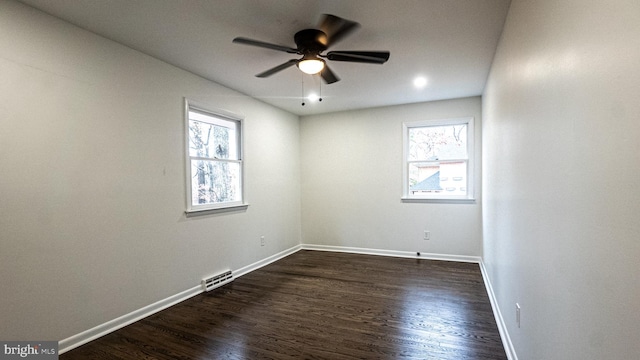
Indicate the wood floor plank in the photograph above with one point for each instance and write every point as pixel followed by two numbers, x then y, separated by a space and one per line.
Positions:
pixel 322 305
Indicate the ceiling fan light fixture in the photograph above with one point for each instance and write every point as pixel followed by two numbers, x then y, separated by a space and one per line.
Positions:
pixel 311 66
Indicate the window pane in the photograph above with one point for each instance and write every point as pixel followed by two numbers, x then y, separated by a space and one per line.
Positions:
pixel 213 140
pixel 448 178
pixel 214 182
pixel 438 142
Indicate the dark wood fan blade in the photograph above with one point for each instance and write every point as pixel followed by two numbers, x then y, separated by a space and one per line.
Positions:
pixel 336 28
pixel 328 76
pixel 246 41
pixel 278 68
pixel 369 57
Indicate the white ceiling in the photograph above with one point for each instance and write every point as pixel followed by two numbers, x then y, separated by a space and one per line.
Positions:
pixel 450 42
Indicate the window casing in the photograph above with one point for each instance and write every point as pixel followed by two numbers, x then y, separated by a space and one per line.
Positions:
pixel 438 160
pixel 213 159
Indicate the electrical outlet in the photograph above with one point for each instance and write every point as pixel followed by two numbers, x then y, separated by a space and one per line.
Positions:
pixel 261 240
pixel 518 314
pixel 427 235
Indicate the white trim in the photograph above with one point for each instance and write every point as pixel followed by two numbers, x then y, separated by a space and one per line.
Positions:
pixel 438 201
pixel 470 160
pixel 86 336
pixel 502 327
pixel 264 262
pixel 394 253
pixel 217 115
pixel 230 208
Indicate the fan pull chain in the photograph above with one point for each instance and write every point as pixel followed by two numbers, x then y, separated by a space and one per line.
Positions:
pixel 320 92
pixel 302 77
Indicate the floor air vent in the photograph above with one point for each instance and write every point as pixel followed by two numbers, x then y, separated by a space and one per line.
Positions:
pixel 215 281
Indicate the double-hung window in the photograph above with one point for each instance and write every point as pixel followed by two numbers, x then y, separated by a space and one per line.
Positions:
pixel 214 159
pixel 438 160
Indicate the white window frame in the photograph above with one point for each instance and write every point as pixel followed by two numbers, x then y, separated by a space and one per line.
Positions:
pixel 221 115
pixel 439 197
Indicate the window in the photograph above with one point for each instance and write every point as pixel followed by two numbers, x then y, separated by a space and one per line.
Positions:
pixel 438 160
pixel 214 159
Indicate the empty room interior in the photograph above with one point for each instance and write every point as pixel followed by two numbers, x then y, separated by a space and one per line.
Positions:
pixel 446 149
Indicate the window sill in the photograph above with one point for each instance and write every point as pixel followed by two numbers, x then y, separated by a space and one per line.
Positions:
pixel 438 201
pixel 232 208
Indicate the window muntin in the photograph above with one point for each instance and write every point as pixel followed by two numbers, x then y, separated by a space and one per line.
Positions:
pixel 214 159
pixel 438 157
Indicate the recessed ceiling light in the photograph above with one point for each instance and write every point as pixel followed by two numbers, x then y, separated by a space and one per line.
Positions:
pixel 420 82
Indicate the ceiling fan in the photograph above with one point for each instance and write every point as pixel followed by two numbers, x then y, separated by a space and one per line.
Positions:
pixel 310 43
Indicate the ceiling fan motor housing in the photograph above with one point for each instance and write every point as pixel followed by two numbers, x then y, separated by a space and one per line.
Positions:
pixel 311 41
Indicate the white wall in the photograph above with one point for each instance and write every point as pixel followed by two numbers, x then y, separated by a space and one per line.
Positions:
pixel 561 161
pixel 351 165
pixel 92 192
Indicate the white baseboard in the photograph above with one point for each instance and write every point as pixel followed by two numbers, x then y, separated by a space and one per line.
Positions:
pixel 124 320
pixel 502 327
pixel 394 253
pixel 258 264
pixel 84 337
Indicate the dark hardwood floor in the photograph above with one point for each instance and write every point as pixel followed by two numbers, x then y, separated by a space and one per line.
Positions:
pixel 322 305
